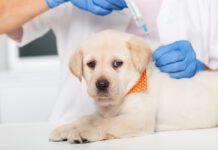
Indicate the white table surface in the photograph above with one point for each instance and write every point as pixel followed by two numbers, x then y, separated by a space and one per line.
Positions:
pixel 34 137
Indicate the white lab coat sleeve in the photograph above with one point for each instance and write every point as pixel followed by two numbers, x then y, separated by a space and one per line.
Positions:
pixel 213 35
pixel 34 29
pixel 40 25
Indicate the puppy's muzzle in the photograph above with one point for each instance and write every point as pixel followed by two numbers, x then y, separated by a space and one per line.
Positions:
pixel 102 85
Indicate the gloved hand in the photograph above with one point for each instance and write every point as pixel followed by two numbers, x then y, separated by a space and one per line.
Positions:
pixel 98 7
pixel 178 59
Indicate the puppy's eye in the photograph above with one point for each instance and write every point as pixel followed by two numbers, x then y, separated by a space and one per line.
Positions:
pixel 91 64
pixel 117 63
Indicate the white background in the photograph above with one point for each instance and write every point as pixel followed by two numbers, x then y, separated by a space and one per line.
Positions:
pixel 26 95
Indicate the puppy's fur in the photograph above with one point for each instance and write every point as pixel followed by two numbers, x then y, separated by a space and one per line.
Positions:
pixel 167 104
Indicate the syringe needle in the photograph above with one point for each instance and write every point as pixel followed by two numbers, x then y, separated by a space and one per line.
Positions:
pixel 136 15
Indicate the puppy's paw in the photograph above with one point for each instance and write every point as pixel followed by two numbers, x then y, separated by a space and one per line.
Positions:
pixel 55 136
pixel 85 136
pixel 60 134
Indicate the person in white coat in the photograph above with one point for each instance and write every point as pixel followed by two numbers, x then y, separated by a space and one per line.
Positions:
pixel 192 24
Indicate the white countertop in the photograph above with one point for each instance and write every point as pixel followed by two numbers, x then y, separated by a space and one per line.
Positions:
pixel 34 137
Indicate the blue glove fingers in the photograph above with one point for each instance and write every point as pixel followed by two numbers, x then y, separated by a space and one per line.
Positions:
pixel 106 5
pixel 119 3
pixel 174 67
pixel 187 50
pixel 97 10
pixel 185 47
pixel 91 7
pixel 81 4
pixel 188 73
pixel 165 49
pixel 169 58
pixel 55 3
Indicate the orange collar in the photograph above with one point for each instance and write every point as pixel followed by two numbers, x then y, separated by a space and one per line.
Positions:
pixel 141 84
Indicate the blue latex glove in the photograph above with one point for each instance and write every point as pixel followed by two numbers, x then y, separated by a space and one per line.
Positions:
pixel 55 3
pixel 98 7
pixel 178 59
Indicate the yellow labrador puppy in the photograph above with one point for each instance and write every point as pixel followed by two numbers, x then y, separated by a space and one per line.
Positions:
pixel 132 97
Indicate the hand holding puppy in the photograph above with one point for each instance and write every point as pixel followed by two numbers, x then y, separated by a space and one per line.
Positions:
pixel 178 59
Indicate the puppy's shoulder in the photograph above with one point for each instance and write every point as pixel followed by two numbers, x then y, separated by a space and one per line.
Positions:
pixel 135 103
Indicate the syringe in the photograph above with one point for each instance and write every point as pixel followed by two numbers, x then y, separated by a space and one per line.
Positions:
pixel 140 22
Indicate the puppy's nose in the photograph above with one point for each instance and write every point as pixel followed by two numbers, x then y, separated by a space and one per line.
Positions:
pixel 102 85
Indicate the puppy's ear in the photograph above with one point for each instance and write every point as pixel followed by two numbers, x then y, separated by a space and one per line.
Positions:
pixel 140 53
pixel 76 64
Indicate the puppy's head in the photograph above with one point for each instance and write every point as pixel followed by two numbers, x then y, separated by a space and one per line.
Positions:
pixel 110 62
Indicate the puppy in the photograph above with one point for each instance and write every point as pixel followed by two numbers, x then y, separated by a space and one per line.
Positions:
pixel 132 97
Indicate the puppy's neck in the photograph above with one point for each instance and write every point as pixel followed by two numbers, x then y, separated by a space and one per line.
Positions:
pixel 109 111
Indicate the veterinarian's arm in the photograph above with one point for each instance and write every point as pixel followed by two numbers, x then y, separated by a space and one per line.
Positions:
pixel 14 13
pixel 178 59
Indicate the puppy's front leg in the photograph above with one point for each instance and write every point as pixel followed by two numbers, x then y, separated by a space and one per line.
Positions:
pixel 111 128
pixel 127 126
pixel 61 133
pixel 136 117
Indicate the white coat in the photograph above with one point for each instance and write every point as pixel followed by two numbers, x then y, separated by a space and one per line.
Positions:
pixel 194 20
